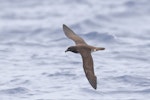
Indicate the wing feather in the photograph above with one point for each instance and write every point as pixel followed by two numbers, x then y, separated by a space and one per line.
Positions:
pixel 71 35
pixel 88 66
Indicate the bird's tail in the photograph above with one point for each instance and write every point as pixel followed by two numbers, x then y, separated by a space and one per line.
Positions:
pixel 100 48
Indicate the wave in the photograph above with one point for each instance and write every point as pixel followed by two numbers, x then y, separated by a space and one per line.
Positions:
pixel 134 80
pixel 61 74
pixel 142 91
pixel 103 37
pixel 17 90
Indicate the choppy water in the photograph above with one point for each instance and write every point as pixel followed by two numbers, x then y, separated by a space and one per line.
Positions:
pixel 34 66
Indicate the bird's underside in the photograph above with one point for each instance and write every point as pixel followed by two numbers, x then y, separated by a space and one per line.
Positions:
pixel 85 50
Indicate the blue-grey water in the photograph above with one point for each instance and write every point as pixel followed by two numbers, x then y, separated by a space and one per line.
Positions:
pixel 34 66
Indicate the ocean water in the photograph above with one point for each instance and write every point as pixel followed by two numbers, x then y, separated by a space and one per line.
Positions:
pixel 34 66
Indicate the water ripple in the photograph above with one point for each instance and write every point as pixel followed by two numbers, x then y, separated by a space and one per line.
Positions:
pixel 17 90
pixel 134 80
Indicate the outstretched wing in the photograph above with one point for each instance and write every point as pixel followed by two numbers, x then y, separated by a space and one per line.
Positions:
pixel 70 34
pixel 88 66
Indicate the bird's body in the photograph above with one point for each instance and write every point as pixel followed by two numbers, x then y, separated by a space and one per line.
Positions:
pixel 85 50
pixel 91 48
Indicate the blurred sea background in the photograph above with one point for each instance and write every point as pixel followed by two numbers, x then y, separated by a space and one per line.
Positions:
pixel 34 66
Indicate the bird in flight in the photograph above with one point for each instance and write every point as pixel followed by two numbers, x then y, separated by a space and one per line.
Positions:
pixel 85 51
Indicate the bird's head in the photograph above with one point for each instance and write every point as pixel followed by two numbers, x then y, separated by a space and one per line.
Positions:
pixel 72 49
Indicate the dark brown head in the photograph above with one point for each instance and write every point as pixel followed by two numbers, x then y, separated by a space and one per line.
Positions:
pixel 72 49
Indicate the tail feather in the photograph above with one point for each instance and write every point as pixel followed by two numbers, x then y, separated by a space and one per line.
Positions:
pixel 100 48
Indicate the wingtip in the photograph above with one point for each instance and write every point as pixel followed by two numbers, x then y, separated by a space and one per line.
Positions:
pixel 94 85
pixel 93 82
pixel 64 25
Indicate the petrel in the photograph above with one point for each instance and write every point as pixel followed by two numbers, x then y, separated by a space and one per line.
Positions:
pixel 85 51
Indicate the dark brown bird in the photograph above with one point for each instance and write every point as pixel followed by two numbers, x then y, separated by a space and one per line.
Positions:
pixel 85 50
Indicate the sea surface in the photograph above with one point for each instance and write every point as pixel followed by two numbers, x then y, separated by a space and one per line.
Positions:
pixel 34 66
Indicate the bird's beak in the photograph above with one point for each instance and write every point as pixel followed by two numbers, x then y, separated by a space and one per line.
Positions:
pixel 66 51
